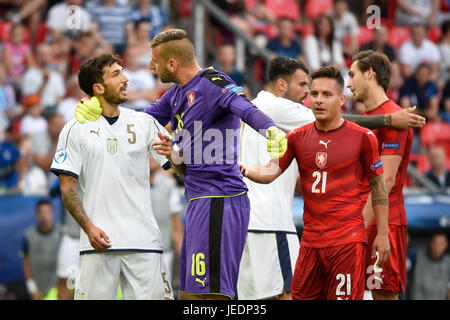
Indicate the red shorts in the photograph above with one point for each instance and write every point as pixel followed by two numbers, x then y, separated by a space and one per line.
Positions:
pixel 393 276
pixel 332 273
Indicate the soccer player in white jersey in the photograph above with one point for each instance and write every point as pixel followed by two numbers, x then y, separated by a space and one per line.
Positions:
pixel 108 158
pixel 272 244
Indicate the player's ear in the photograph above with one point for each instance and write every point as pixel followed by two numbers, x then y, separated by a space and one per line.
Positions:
pixel 98 89
pixel 342 99
pixel 172 65
pixel 281 85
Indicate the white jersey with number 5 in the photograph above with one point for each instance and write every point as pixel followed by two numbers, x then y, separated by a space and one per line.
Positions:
pixel 271 204
pixel 112 166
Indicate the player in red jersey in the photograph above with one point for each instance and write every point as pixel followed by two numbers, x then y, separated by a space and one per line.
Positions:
pixel 334 157
pixel 368 80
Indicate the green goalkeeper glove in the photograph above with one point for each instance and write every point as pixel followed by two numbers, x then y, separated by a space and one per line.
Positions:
pixel 276 142
pixel 88 109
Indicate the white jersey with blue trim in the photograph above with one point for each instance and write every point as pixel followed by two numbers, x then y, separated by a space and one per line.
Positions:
pixel 112 166
pixel 271 204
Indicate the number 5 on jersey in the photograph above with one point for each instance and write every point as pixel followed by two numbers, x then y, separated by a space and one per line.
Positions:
pixel 321 177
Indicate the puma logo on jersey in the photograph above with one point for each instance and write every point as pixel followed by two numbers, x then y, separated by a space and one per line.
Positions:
pixel 325 143
pixel 201 281
pixel 96 132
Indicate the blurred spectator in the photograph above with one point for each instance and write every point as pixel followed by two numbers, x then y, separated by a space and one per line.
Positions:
pixel 152 13
pixel 379 43
pixel 444 48
pixel 28 12
pixel 410 12
pixel 83 49
pixel 438 173
pixel 444 12
pixel 60 60
pixel 40 250
pixel 42 80
pixel 67 106
pixel 321 48
pixel 32 122
pixel 141 43
pixel 345 25
pixel 226 59
pixel 17 54
pixel 9 162
pixel 445 103
pixel 396 82
pixel 7 94
pixel 237 11
pixel 63 20
pixel 417 50
pixel 420 91
pixel 141 84
pixel 112 22
pixel 260 12
pixel 431 270
pixel 43 144
pixel 166 207
pixel 285 44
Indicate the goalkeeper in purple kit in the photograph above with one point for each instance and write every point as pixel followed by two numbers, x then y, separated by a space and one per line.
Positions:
pixel 204 108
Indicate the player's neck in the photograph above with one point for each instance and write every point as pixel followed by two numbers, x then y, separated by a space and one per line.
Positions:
pixel 186 74
pixel 328 125
pixel 375 98
pixel 109 110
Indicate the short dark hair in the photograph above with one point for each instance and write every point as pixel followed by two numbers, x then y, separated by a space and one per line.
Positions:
pixel 379 63
pixel 43 201
pixel 445 27
pixel 284 67
pixel 92 71
pixel 330 72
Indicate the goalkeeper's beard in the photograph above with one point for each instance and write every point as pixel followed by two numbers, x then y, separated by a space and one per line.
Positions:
pixel 113 97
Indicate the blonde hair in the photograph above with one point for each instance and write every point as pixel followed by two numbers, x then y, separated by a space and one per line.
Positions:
pixel 174 43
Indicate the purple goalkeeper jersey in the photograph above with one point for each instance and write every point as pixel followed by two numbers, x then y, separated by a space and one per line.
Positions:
pixel 205 119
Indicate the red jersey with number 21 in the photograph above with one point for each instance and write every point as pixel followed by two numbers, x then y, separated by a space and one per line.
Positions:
pixel 332 166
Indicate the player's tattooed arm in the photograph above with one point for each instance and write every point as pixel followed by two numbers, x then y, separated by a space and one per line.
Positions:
pixel 378 191
pixel 402 119
pixel 71 200
pixel 380 205
pixel 97 237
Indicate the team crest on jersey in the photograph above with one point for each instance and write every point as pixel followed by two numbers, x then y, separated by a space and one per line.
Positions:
pixel 111 146
pixel 191 98
pixel 321 159
pixel 60 155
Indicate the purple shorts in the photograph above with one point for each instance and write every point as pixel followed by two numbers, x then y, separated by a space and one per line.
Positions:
pixel 213 242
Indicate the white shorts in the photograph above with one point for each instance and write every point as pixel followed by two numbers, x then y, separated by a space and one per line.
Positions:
pixel 267 264
pixel 142 275
pixel 68 256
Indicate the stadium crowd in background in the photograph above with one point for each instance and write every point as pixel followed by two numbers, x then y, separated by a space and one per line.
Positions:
pixel 42 47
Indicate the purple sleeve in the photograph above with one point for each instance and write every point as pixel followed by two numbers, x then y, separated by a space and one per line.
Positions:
pixel 247 111
pixel 160 109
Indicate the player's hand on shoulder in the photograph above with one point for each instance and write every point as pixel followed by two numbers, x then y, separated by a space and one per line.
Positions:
pixel 407 118
pixel 276 142
pixel 88 109
pixel 97 237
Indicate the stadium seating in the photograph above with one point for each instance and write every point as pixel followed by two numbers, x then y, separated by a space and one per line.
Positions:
pixel 398 35
pixel 314 8
pixel 284 8
pixel 436 133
